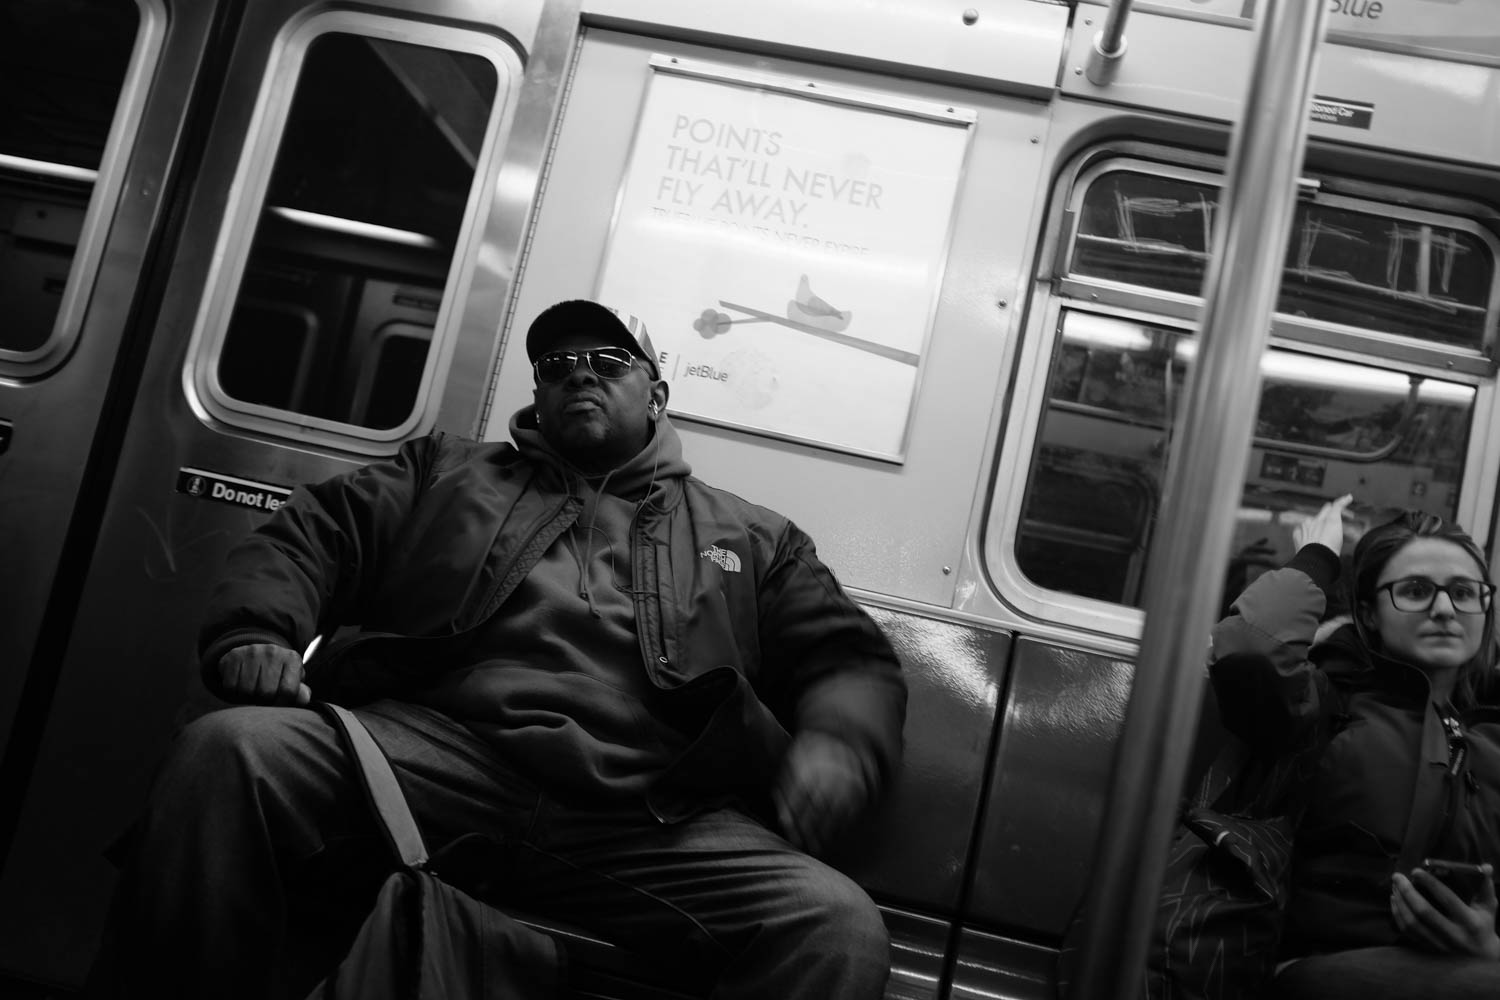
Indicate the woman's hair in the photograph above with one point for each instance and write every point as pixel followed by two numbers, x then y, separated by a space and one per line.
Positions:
pixel 1377 547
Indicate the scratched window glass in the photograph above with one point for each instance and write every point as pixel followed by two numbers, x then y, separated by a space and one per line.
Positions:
pixel 1145 229
pixel 1325 427
pixel 1411 277
pixel 358 231
pixel 62 66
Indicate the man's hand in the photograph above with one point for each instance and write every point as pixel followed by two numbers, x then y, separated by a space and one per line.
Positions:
pixel 1431 916
pixel 262 674
pixel 1325 527
pixel 819 791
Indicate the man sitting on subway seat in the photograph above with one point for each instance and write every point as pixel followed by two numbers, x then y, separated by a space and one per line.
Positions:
pixel 649 693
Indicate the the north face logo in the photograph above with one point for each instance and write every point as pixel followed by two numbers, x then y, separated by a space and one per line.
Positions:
pixel 728 561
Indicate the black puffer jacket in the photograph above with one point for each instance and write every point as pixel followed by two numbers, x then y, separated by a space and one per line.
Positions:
pixel 1387 792
pixel 742 626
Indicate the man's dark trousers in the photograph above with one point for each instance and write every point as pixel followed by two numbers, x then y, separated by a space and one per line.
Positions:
pixel 255 802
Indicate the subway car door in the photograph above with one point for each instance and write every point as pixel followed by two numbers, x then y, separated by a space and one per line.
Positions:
pixel 339 281
pixel 88 141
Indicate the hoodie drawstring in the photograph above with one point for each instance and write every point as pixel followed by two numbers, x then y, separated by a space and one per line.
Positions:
pixel 585 558
pixel 584 591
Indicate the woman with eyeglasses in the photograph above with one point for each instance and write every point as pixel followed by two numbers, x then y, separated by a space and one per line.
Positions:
pixel 1405 703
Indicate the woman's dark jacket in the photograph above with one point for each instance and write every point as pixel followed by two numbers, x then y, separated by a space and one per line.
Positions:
pixel 745 631
pixel 1387 791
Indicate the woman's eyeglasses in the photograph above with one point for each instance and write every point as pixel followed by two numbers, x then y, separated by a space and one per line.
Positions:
pixel 606 362
pixel 1417 593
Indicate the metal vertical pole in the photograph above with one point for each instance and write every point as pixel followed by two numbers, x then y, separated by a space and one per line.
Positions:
pixel 1109 45
pixel 1205 478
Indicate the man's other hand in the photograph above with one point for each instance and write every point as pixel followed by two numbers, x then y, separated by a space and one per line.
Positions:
pixel 262 674
pixel 819 791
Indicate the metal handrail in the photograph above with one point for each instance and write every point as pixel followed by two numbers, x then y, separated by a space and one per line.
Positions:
pixel 1202 493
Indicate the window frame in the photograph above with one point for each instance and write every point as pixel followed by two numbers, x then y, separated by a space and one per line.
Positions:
pixel 1327 333
pixel 1054 291
pixel 246 201
pixel 108 187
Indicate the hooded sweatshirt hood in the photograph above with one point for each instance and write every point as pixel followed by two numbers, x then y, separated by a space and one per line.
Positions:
pixel 653 474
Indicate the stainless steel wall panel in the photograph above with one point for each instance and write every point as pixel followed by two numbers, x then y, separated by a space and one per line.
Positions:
pixel 918 945
pixel 1008 45
pixel 991 967
pixel 1199 68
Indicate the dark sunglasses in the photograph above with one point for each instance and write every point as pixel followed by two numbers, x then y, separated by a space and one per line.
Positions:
pixel 606 362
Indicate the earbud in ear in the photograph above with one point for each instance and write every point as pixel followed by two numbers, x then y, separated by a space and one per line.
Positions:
pixel 654 407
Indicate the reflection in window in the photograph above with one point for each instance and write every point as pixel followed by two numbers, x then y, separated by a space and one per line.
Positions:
pixel 1410 277
pixel 1325 428
pixel 359 228
pixel 62 64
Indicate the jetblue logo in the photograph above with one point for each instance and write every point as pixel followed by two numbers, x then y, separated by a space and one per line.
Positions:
pixel 727 561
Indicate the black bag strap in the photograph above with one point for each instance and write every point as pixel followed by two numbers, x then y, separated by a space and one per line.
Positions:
pixel 381 790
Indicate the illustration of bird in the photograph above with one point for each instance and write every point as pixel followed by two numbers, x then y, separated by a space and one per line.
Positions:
pixel 806 313
pixel 809 309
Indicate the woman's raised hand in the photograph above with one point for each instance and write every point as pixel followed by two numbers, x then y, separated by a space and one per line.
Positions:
pixel 1326 527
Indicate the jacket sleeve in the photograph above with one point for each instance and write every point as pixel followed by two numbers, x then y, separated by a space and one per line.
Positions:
pixel 1269 692
pixel 310 565
pixel 830 669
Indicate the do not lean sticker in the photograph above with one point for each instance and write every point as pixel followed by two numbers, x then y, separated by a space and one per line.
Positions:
pixel 207 485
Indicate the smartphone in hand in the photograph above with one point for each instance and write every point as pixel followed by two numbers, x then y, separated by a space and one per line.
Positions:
pixel 1462 877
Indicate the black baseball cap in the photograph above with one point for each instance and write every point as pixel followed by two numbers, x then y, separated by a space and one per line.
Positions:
pixel 613 327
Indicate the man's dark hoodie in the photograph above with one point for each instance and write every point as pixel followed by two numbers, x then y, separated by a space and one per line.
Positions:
pixel 557 684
